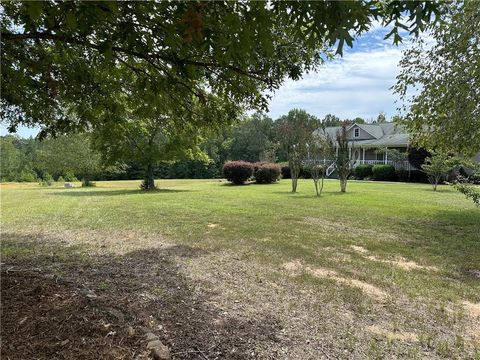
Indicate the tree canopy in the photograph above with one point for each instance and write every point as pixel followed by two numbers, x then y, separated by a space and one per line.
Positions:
pixel 71 65
pixel 444 112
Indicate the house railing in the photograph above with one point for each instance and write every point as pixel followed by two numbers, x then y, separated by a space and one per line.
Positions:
pixel 399 165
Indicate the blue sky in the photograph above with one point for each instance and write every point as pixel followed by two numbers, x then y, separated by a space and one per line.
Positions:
pixel 357 84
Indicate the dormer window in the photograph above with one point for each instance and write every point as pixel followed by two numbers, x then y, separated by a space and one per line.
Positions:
pixel 356 132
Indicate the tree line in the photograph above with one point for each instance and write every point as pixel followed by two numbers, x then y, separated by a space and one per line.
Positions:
pixel 98 155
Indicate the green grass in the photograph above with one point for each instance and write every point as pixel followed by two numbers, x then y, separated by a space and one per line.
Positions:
pixel 268 226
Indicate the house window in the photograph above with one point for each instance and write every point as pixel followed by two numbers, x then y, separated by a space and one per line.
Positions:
pixel 356 132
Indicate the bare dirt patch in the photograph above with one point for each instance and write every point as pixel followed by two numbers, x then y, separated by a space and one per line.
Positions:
pixel 472 309
pixel 79 305
pixel 399 261
pixel 392 335
pixel 369 289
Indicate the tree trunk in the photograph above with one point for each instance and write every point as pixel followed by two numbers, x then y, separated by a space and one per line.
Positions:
pixel 294 173
pixel 149 180
pixel 343 185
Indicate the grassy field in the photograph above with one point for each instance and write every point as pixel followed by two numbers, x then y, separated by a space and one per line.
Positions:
pixel 387 270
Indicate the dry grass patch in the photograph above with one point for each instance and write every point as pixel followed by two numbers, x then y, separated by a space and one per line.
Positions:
pixel 369 289
pixel 399 261
pixel 353 230
pixel 392 335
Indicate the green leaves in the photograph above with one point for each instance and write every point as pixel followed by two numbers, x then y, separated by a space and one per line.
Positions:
pixel 444 114
pixel 223 56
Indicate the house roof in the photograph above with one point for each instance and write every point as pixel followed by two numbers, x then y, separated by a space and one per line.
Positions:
pixel 386 134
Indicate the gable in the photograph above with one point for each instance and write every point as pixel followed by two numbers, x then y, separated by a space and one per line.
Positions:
pixel 362 133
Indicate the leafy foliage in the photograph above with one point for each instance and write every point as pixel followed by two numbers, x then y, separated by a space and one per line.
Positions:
pixel 295 131
pixel 437 166
pixel 71 65
pixel 383 172
pixel 266 173
pixel 444 114
pixel 363 171
pixel 469 190
pixel 237 172
pixel 146 142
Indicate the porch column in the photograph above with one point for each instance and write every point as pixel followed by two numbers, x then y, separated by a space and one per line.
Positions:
pixel 363 156
pixel 386 155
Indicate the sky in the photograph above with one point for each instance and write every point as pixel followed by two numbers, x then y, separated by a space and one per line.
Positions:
pixel 355 85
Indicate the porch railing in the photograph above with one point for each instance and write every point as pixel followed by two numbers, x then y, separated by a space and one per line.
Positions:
pixel 405 165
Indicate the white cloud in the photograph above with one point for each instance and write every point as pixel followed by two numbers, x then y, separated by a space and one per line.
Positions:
pixel 356 85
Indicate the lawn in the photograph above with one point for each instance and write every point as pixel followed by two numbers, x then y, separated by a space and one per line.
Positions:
pixel 219 271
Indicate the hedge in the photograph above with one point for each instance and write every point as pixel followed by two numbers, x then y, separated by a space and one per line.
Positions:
pixel 363 171
pixel 383 172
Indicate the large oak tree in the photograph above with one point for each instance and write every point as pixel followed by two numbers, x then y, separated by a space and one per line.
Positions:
pixel 66 64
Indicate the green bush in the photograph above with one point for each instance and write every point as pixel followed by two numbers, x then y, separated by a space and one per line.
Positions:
pixel 70 176
pixel 363 171
pixel 266 173
pixel 285 170
pixel 305 172
pixel 27 176
pixel 383 173
pixel 237 172
pixel 60 179
pixel 47 180
pixel 403 175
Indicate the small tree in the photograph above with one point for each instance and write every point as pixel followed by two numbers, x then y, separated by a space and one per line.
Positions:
pixel 342 157
pixel 437 166
pixel 320 153
pixel 295 132
pixel 462 185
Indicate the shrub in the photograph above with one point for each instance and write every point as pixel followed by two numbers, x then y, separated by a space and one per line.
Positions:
pixel 237 172
pixel 363 171
pixel 402 175
pixel 383 172
pixel 27 176
pixel 266 173
pixel 47 180
pixel 70 176
pixel 305 172
pixel 61 179
pixel 285 170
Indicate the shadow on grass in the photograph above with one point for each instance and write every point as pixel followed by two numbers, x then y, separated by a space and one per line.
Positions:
pixel 70 303
pixel 95 192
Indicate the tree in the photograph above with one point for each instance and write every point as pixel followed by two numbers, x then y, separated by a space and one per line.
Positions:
pixel 68 154
pixel 343 162
pixel 381 118
pixel 11 159
pixel 444 78
pixel 470 191
pixel 146 142
pixel 437 166
pixel 331 120
pixel 66 64
pixel 294 132
pixel 252 138
pixel 320 153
